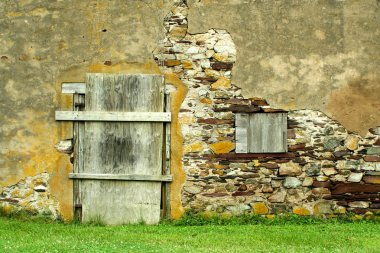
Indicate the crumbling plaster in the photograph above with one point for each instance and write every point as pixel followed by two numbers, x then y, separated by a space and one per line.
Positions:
pixel 320 55
pixel 297 55
pixel 44 43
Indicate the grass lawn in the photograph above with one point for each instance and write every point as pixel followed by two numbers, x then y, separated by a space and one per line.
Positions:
pixel 29 236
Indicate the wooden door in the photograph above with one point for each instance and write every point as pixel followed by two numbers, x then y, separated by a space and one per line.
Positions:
pixel 119 149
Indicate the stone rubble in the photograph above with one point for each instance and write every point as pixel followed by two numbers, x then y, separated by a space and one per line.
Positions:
pixel 31 194
pixel 327 169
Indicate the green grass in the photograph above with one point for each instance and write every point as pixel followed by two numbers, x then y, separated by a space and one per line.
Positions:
pixel 41 236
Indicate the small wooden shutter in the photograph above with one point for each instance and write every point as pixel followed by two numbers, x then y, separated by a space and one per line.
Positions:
pixel 261 133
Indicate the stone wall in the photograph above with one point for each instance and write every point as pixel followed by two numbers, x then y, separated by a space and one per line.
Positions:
pixel 327 169
pixel 219 50
pixel 32 195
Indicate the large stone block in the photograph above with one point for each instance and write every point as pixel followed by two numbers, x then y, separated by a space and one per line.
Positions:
pixel 290 169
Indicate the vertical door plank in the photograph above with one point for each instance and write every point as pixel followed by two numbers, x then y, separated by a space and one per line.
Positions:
pixel 123 148
pixel 241 130
pixel 78 157
pixel 166 163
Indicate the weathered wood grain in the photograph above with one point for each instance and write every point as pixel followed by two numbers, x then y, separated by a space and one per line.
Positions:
pixel 78 134
pixel 242 126
pixel 123 148
pixel 267 133
pixel 166 162
pixel 122 177
pixel 261 132
pixel 74 88
pixel 113 116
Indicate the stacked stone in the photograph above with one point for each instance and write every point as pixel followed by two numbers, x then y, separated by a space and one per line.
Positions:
pixel 327 170
pixel 32 195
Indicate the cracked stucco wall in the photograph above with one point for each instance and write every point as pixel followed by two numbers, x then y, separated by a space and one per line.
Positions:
pixel 296 54
pixel 44 43
pixel 320 55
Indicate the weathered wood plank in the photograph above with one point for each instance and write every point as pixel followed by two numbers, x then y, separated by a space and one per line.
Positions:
pixel 74 88
pixel 123 148
pixel 166 162
pixel 267 133
pixel 241 130
pixel 78 133
pixel 123 177
pixel 113 116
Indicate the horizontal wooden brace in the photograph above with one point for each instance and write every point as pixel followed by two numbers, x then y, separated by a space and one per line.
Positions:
pixel 123 177
pixel 113 116
pixel 74 88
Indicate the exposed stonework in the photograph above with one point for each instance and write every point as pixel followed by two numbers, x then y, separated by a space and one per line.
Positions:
pixel 327 169
pixel 321 174
pixel 31 194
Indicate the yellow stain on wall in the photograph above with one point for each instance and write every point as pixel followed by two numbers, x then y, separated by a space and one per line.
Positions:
pixel 37 153
pixel 177 171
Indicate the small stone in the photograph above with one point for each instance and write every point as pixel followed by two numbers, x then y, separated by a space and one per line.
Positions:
pixel 172 63
pixel 212 73
pixel 186 64
pixel 230 187
pixel 222 83
pixel 371 158
pixel 351 142
pixel 308 181
pixel 193 50
pixel 222 94
pixel 313 170
pixel 222 57
pixel 328 130
pixel 329 171
pixel 355 177
pixel 339 178
pixel 198 56
pixel 302 211
pixel 330 143
pixel 205 63
pixel 290 169
pixel 178 32
pixel 322 178
pixel 321 191
pixel 192 189
pixel 372 179
pixel 205 101
pixel 242 188
pixel 323 207
pixel 40 188
pixel 323 184
pixel 65 146
pixel 210 53
pixel 266 172
pixel 238 208
pixel 348 165
pixel 375 130
pixel 340 210
pixel 373 151
pixel 277 197
pixel 292 182
pixel 276 183
pixel 267 188
pixel 194 147
pixel 222 147
pixel 225 46
pixel 359 204
pixel 270 165
pixel 259 208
